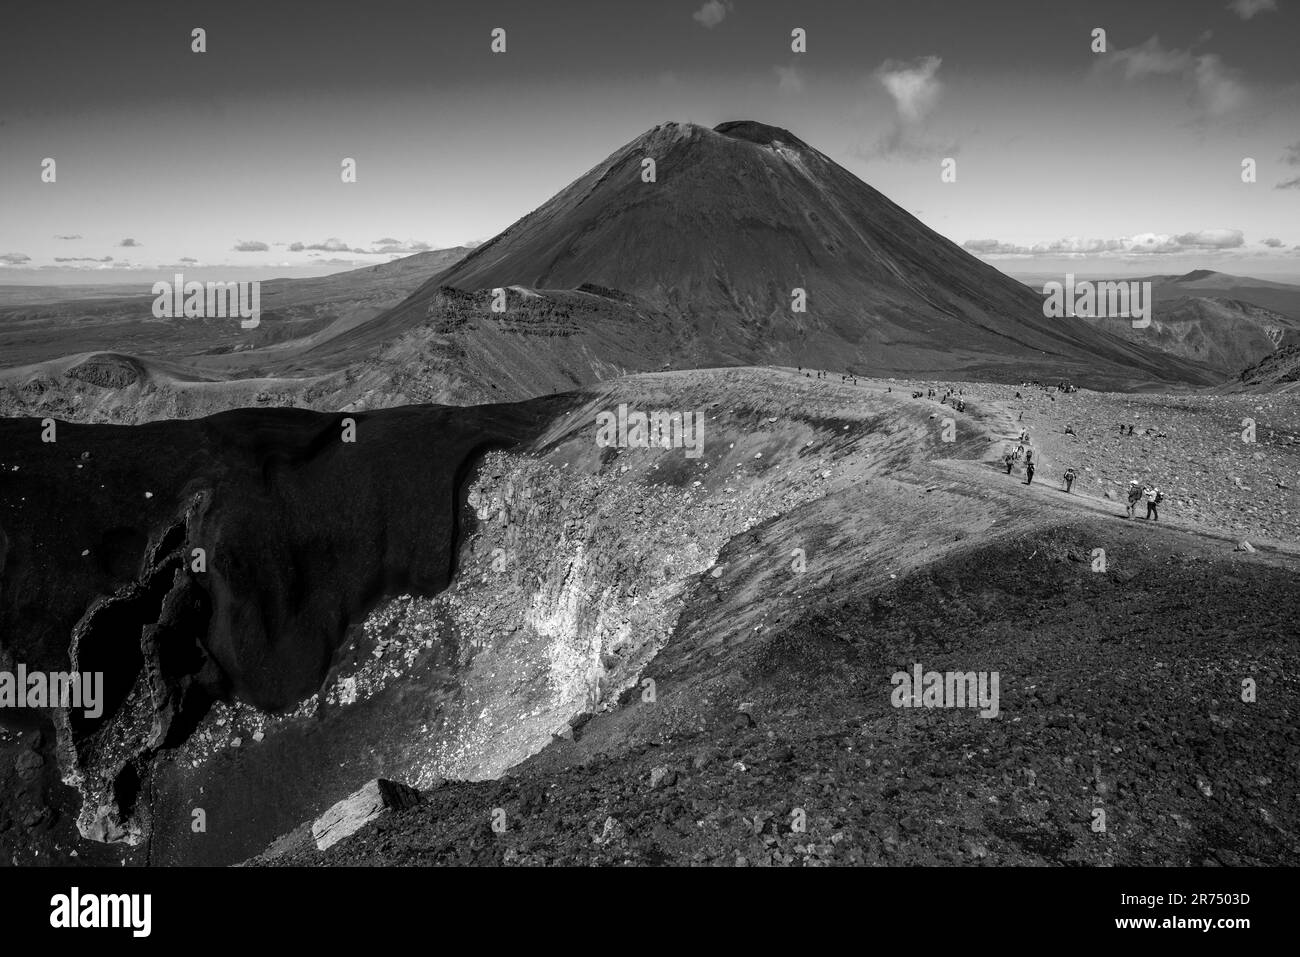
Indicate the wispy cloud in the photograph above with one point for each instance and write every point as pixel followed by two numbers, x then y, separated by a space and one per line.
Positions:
pixel 1214 88
pixel 1249 8
pixel 1140 244
pixel 789 79
pixel 388 246
pixel 915 89
pixel 129 243
pixel 713 12
pixel 14 259
pixel 250 246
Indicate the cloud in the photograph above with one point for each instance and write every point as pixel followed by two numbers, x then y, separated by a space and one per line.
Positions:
pixel 1289 184
pixel 1212 239
pixel 387 246
pixel 396 246
pixel 713 12
pixel 188 259
pixel 76 236
pixel 1248 8
pixel 1273 243
pixel 788 79
pixel 915 88
pixel 1214 88
pixel 1139 244
pixel 330 245
pixel 250 246
pixel 1218 89
pixel 1292 155
pixel 14 259
pixel 82 259
pixel 130 243
pixel 1148 59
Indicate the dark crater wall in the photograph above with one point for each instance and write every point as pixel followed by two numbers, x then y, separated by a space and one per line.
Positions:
pixel 303 532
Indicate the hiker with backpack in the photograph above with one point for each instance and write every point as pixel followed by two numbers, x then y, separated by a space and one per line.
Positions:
pixel 1154 497
pixel 1069 478
pixel 1134 496
pixel 1029 473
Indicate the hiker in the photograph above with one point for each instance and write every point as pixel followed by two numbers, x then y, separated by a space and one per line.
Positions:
pixel 1069 479
pixel 1130 430
pixel 1020 452
pixel 1134 496
pixel 1154 497
pixel 1029 455
pixel 1069 430
pixel 1029 472
pixel 1009 460
pixel 1121 428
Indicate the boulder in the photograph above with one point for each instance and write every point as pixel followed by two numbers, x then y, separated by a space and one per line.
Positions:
pixel 359 809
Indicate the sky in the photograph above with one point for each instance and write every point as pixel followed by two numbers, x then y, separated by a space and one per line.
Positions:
pixel 227 164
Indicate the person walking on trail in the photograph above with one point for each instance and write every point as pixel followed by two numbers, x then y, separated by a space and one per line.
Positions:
pixel 1029 473
pixel 1154 497
pixel 1134 496
pixel 1069 478
pixel 1008 460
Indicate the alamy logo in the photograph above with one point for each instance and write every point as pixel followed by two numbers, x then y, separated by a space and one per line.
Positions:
pixel 134 911
pixel 949 689
pixel 57 689
pixel 216 300
pixel 1099 299
pixel 658 429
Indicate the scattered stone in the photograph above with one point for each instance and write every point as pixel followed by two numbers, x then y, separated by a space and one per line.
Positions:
pixel 28 765
pixel 662 776
pixel 358 809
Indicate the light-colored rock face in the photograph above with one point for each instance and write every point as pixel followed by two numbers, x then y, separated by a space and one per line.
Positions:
pixel 359 809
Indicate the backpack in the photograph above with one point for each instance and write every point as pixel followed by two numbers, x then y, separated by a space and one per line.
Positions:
pixel 1160 497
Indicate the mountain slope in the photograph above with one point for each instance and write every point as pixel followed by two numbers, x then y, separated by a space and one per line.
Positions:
pixel 1279 297
pixel 740 216
pixel 1225 334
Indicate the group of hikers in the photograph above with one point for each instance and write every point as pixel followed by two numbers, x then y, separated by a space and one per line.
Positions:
pixel 1137 492
pixel 1152 494
pixel 1064 385
pixel 848 377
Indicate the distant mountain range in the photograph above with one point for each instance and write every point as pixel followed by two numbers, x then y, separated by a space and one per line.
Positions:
pixel 1225 322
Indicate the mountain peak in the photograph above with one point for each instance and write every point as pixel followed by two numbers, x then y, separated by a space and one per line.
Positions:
pixel 1198 274
pixel 760 133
